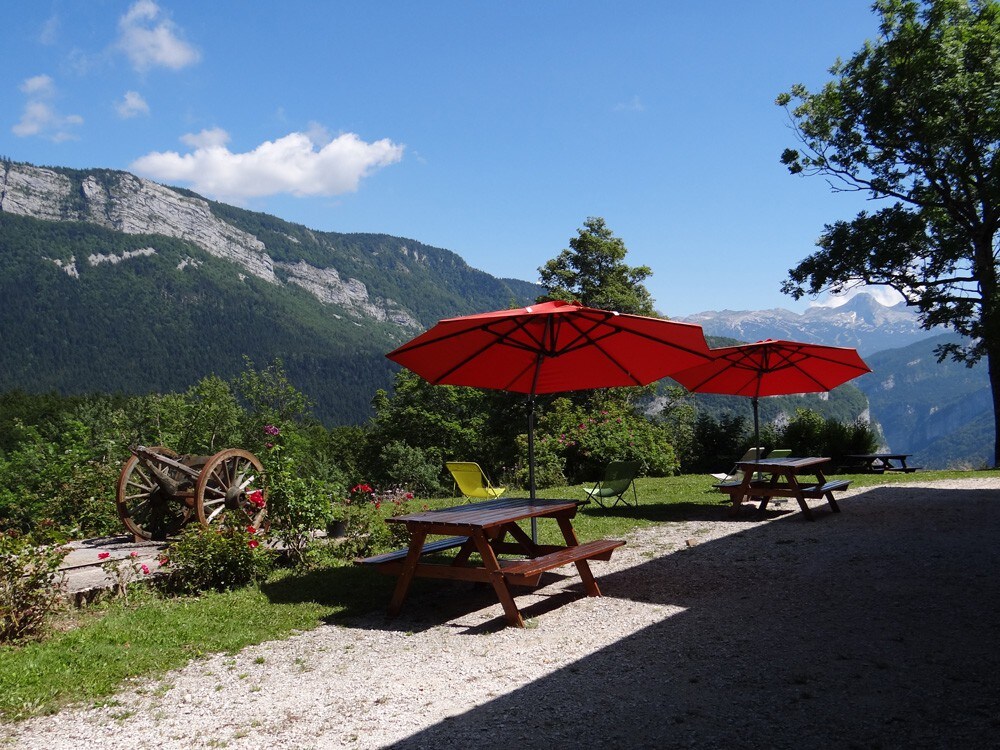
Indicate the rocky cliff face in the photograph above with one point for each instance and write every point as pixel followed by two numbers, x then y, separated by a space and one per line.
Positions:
pixel 125 203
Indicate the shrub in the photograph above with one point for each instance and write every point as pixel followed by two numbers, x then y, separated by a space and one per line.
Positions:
pixel 363 513
pixel 213 558
pixel 28 586
pixel 406 465
pixel 297 505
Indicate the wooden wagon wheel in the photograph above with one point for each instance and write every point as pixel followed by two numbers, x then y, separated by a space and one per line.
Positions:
pixel 145 508
pixel 230 490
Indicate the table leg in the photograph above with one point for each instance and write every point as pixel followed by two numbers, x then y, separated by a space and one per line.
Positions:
pixel 406 576
pixel 744 492
pixel 582 566
pixel 799 497
pixel 497 580
pixel 821 478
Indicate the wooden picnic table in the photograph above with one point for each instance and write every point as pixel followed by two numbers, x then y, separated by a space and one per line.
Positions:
pixel 491 529
pixel 878 463
pixel 782 477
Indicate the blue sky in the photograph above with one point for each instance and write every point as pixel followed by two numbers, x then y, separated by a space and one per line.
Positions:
pixel 493 129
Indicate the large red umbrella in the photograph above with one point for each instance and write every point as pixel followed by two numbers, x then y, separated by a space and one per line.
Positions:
pixel 551 347
pixel 773 368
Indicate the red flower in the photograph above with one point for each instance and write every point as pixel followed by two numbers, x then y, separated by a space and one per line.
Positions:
pixel 256 499
pixel 103 555
pixel 163 560
pixel 145 569
pixel 409 495
pixel 251 530
pixel 253 543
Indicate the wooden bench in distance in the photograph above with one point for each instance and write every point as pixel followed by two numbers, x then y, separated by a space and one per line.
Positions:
pixel 527 572
pixel 400 554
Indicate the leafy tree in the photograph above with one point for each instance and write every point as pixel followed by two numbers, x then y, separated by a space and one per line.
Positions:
pixel 913 119
pixel 593 271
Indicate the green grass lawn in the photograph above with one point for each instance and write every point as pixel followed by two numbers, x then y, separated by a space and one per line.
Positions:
pixel 103 646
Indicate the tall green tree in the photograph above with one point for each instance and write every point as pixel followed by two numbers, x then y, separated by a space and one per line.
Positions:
pixel 913 119
pixel 593 271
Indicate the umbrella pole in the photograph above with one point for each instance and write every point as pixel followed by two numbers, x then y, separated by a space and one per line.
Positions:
pixel 531 464
pixel 756 428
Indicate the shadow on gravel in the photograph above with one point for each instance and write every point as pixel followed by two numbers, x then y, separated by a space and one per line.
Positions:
pixel 873 628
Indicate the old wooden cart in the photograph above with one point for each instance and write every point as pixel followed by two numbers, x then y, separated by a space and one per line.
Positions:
pixel 160 491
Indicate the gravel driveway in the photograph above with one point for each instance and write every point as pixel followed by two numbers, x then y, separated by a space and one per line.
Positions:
pixel 874 628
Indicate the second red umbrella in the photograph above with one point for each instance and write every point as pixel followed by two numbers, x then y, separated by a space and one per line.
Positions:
pixel 773 368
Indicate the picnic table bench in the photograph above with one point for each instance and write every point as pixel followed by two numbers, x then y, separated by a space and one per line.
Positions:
pixel 877 463
pixel 783 475
pixel 490 529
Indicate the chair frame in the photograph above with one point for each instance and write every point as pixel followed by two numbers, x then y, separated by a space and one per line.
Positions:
pixel 607 487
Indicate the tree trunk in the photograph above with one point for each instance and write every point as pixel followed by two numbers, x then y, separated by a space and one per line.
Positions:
pixel 994 372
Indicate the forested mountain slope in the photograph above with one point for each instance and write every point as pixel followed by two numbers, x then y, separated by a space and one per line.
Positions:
pixel 113 283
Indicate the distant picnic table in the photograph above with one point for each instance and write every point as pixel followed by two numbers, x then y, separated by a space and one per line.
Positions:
pixel 783 478
pixel 877 463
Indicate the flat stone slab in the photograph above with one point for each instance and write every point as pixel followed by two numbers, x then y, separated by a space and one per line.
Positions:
pixel 86 574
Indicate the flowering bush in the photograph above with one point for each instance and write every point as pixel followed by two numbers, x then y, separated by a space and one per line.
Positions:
pixel 363 513
pixel 123 573
pixel 219 559
pixel 297 505
pixel 28 585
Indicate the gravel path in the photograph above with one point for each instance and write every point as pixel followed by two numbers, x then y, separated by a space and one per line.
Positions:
pixel 874 628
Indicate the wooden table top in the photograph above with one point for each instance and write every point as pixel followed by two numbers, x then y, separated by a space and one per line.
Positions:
pixel 490 513
pixel 874 456
pixel 765 464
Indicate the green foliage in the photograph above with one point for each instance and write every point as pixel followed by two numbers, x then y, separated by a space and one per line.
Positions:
pixel 29 588
pixel 914 118
pixel 297 504
pixel 811 435
pixel 216 559
pixel 444 423
pixel 586 440
pixel 593 271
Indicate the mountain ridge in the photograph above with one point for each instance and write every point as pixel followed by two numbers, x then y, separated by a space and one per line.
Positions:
pixel 115 282
pixel 862 323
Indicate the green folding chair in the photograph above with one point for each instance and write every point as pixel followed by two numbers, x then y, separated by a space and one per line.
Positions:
pixel 618 477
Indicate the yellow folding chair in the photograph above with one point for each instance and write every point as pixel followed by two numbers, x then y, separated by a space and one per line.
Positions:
pixel 472 481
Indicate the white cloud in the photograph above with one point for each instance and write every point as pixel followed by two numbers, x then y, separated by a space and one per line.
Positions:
pixel 632 105
pixel 39 117
pixel 294 164
pixel 50 31
pixel 150 40
pixel 38 86
pixel 206 138
pixel 132 105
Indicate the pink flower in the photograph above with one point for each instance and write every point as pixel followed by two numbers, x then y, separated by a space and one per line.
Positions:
pixel 270 429
pixel 103 555
pixel 133 554
pixel 164 560
pixel 145 569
